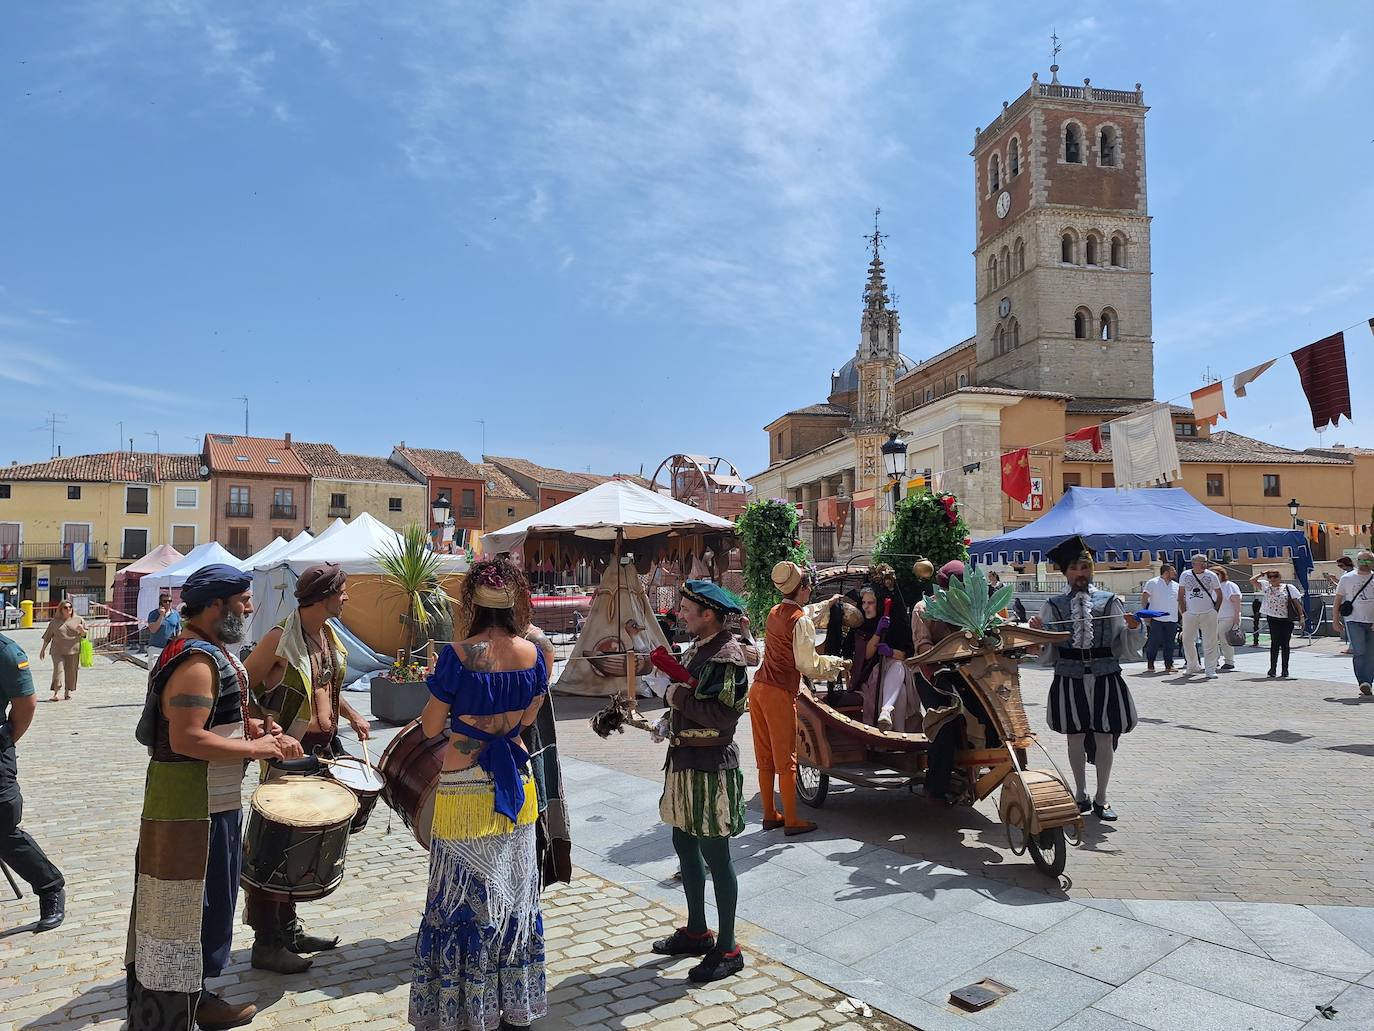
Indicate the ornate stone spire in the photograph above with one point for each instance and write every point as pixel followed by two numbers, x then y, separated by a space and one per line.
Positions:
pixel 879 326
pixel 875 290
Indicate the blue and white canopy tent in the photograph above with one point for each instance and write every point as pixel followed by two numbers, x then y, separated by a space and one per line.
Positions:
pixel 1138 525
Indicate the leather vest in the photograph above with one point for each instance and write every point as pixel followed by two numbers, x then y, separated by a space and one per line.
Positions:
pixel 779 667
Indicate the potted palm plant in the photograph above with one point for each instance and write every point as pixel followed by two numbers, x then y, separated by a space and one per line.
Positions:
pixel 410 574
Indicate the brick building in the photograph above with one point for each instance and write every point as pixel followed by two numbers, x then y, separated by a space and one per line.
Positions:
pixel 447 475
pixel 260 490
pixel 1064 340
pixel 506 503
pixel 547 486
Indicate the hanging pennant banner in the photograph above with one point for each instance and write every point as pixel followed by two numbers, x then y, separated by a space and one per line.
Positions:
pixel 1016 476
pixel 1244 379
pixel 1321 367
pixel 1092 434
pixel 1144 451
pixel 1209 404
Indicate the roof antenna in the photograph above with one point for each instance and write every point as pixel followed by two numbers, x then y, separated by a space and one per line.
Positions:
pixel 245 413
pixel 1054 57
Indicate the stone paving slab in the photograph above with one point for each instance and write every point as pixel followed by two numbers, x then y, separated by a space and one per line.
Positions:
pixel 82 776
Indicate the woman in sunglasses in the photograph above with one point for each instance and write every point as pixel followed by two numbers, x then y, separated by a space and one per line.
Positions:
pixel 1276 604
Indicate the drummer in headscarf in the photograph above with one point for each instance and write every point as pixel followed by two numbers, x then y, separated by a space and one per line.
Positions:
pixel 297 674
pixel 1089 700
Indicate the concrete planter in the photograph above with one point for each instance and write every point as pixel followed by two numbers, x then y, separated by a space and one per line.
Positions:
pixel 398 701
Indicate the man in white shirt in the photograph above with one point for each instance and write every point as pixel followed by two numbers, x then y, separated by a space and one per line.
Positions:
pixel 1161 595
pixel 1356 588
pixel 1228 618
pixel 1199 590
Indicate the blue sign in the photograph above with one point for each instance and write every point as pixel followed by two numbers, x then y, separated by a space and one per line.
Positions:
pixel 42 583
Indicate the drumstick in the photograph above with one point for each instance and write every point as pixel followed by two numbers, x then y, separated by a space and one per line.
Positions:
pixel 366 758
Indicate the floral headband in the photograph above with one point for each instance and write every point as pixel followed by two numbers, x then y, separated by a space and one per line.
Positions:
pixel 492 591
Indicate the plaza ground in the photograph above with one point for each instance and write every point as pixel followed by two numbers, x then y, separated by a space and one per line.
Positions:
pixel 1234 892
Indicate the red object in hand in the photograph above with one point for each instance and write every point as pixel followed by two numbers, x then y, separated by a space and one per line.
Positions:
pixel 663 659
pixel 887 607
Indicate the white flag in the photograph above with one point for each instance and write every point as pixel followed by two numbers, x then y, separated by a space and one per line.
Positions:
pixel 1249 376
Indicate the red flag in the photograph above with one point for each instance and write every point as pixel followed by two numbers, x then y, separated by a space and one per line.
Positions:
pixel 1016 476
pixel 1092 434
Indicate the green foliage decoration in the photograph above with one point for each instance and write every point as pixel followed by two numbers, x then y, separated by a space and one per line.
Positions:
pixel 927 525
pixel 768 532
pixel 411 568
pixel 969 603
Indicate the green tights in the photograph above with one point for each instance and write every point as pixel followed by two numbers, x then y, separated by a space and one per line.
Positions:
pixel 695 855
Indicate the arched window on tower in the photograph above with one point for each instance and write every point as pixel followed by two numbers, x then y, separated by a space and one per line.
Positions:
pixel 1014 335
pixel 1014 157
pixel 999 341
pixel 1081 320
pixel 1073 144
pixel 1020 250
pixel 1092 245
pixel 1107 147
pixel 994 174
pixel 1066 249
pixel 1118 251
pixel 1106 326
pixel 992 272
pixel 1006 264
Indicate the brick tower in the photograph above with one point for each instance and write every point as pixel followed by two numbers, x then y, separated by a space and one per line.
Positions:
pixel 1063 243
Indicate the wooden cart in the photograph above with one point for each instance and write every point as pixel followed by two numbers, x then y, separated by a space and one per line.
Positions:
pixel 1037 803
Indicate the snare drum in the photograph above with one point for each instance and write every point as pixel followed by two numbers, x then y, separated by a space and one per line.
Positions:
pixel 410 766
pixel 297 837
pixel 365 783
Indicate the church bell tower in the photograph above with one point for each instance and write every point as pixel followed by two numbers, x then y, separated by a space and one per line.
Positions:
pixel 875 408
pixel 1062 260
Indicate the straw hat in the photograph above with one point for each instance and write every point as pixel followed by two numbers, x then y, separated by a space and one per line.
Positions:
pixel 787 576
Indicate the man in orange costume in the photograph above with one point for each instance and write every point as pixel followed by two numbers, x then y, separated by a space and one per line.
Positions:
pixel 789 652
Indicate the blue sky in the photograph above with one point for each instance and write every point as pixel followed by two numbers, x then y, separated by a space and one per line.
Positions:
pixel 614 231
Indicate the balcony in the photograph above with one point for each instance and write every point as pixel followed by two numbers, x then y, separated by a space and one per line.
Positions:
pixel 283 511
pixel 238 510
pixel 34 553
pixel 339 512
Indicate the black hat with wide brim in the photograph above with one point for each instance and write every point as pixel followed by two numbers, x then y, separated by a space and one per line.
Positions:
pixel 1067 552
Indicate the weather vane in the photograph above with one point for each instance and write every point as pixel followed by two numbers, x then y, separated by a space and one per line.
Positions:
pixel 1054 46
pixel 876 240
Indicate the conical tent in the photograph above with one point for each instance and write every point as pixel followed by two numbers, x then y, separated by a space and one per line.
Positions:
pixel 171 578
pixel 620 618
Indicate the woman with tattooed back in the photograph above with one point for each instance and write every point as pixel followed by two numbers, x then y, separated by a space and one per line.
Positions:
pixel 479 953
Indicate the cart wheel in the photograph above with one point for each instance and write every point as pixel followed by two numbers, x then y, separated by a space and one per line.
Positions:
pixel 1047 851
pixel 812 785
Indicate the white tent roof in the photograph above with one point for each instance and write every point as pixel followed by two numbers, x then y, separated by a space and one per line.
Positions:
pixel 355 546
pixel 287 549
pixel 266 554
pixel 175 575
pixel 606 508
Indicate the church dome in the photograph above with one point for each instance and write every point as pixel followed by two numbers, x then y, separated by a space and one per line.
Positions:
pixel 847 378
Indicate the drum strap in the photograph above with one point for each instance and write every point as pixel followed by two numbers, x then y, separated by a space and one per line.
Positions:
pixel 502 761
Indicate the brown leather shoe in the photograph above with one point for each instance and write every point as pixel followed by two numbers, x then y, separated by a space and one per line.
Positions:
pixel 214 1014
pixel 772 825
pixel 805 827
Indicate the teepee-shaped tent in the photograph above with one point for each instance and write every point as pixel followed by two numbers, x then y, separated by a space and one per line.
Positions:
pixel 620 620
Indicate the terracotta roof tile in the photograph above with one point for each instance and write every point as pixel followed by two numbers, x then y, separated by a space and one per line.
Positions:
pixel 1222 447
pixel 325 461
pixel 264 456
pixel 499 485
pixel 109 467
pixel 546 474
pixel 824 408
pixel 435 462
pixel 1115 406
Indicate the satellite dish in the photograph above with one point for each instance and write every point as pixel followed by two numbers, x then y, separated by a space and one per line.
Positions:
pixel 204 471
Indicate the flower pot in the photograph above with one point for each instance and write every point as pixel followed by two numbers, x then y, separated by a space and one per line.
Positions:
pixel 398 701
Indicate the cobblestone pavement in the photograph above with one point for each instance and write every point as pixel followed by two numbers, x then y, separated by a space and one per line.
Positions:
pixel 82 778
pixel 1235 789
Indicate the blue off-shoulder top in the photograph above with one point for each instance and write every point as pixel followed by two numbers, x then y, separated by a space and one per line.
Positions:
pixel 470 692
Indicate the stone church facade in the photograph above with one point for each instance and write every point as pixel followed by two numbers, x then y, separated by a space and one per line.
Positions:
pixel 1064 341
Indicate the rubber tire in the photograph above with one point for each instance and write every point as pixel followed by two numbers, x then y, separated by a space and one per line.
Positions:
pixel 814 797
pixel 1048 851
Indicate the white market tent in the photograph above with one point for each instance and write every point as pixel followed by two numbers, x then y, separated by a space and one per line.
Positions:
pixel 355 546
pixel 616 508
pixel 273 583
pixel 172 577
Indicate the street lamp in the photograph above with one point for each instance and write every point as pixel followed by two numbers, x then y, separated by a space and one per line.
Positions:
pixel 440 507
pixel 894 460
pixel 1293 507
